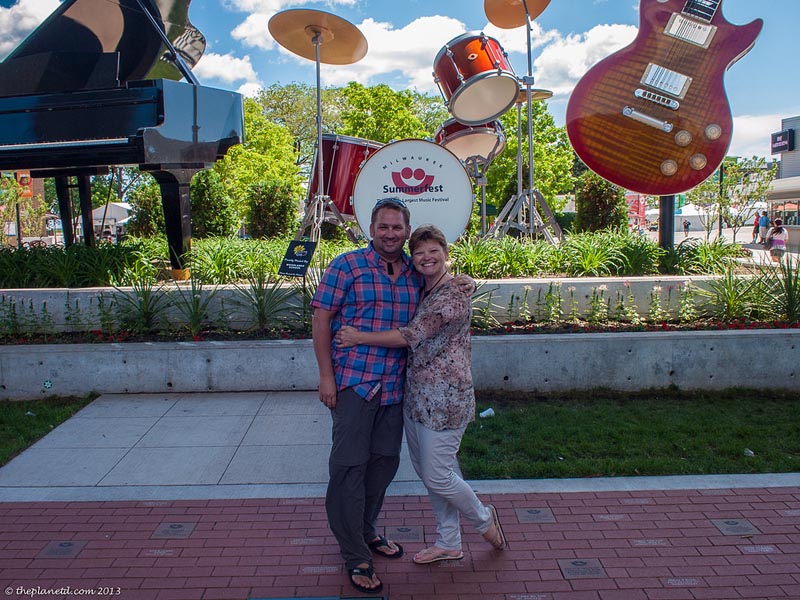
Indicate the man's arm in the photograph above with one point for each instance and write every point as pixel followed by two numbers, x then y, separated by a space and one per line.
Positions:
pixel 321 336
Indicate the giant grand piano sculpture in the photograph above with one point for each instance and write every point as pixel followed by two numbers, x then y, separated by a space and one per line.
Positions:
pixel 96 85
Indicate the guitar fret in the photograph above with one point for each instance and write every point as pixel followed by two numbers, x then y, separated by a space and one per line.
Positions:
pixel 702 9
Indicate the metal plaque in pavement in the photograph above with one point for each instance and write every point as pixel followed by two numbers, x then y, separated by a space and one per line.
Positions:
pixel 735 527
pixel 62 549
pixel 408 533
pixel 581 568
pixel 175 531
pixel 535 515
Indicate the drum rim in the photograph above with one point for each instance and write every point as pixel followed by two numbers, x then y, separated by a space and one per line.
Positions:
pixel 352 140
pixel 468 34
pixel 458 161
pixel 462 88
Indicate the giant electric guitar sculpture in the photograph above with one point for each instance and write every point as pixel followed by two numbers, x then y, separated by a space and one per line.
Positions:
pixel 654 117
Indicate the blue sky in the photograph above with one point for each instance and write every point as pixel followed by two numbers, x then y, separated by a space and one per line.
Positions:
pixel 404 37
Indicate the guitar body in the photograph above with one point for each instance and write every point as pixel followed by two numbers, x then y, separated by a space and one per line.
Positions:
pixel 654 117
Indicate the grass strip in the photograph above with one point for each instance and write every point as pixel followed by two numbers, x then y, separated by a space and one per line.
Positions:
pixel 23 423
pixel 660 432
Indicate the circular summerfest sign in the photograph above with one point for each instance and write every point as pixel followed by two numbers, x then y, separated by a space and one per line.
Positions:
pixel 429 178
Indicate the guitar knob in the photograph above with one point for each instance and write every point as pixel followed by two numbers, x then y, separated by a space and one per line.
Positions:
pixel 713 132
pixel 698 162
pixel 669 167
pixel 683 138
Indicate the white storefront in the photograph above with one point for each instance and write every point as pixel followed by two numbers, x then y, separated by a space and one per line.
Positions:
pixel 784 195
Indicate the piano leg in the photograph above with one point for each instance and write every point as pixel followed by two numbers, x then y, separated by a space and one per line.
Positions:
pixel 177 205
pixel 85 195
pixel 65 209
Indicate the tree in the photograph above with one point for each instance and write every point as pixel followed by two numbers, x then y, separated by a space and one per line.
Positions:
pixel 745 183
pixel 380 114
pixel 31 210
pixel 599 204
pixel 147 218
pixel 213 214
pixel 271 209
pixel 268 153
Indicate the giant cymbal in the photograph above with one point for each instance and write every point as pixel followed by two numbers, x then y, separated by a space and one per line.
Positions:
pixel 537 95
pixel 341 41
pixel 510 14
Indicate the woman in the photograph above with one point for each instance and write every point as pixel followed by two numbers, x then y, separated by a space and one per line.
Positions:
pixel 777 237
pixel 439 398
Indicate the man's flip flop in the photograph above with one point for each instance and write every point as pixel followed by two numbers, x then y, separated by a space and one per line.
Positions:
pixel 435 554
pixel 499 540
pixel 381 542
pixel 367 572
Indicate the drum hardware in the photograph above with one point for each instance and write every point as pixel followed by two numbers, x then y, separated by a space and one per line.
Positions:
pixel 476 146
pixel 321 37
pixel 509 14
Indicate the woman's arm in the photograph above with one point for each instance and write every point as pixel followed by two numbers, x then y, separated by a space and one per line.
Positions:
pixel 350 336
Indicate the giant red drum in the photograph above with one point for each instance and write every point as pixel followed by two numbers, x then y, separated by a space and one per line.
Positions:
pixel 342 157
pixel 475 77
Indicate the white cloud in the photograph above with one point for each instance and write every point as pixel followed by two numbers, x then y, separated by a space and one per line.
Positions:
pixel 19 20
pixel 751 134
pixel 253 31
pixel 409 52
pixel 564 61
pixel 226 68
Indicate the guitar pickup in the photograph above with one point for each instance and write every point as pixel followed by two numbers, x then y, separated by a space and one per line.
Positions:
pixel 657 99
pixel 634 114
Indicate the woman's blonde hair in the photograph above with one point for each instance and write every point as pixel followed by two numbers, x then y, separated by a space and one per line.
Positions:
pixel 427 233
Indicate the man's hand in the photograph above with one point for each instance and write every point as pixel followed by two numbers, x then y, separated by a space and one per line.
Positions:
pixel 327 392
pixel 465 284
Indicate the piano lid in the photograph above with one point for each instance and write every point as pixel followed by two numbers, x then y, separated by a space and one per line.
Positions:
pixel 84 28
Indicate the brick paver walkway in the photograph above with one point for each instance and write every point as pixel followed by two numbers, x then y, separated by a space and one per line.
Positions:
pixel 671 545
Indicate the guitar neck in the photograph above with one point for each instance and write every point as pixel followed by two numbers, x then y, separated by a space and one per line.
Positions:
pixel 702 9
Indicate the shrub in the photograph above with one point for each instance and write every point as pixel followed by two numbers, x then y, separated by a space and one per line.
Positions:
pixel 271 209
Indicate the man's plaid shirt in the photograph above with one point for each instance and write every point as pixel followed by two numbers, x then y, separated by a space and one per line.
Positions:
pixel 357 289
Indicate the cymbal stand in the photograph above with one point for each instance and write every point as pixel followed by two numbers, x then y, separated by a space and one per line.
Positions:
pixel 478 166
pixel 315 210
pixel 525 200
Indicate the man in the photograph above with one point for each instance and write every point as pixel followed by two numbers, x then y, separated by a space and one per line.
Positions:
pixel 373 289
pixel 763 227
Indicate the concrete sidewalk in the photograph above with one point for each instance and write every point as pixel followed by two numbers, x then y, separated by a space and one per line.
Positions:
pixel 221 496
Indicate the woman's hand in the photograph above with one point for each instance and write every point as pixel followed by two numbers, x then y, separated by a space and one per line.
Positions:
pixel 347 336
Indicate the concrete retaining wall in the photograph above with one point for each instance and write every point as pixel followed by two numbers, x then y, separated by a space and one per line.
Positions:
pixel 552 362
pixel 84 309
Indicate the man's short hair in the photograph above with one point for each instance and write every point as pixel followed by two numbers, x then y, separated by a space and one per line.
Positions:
pixel 393 204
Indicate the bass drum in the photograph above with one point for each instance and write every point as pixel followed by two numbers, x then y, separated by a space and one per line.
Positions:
pixel 426 176
pixel 342 157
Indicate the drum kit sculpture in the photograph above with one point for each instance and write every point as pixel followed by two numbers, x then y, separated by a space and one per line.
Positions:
pixel 478 85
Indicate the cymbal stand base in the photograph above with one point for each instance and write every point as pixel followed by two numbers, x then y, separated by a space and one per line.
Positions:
pixel 520 213
pixel 322 209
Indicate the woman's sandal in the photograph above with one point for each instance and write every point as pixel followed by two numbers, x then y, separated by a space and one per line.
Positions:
pixel 498 538
pixel 367 572
pixel 435 554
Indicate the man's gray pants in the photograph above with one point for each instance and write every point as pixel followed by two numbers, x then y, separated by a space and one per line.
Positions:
pixel 363 461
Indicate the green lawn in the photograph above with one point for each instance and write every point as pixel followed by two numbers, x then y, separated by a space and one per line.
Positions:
pixel 586 434
pixel 661 432
pixel 22 423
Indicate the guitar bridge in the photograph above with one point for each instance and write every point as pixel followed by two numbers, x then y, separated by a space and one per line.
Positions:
pixel 634 114
pixel 657 99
